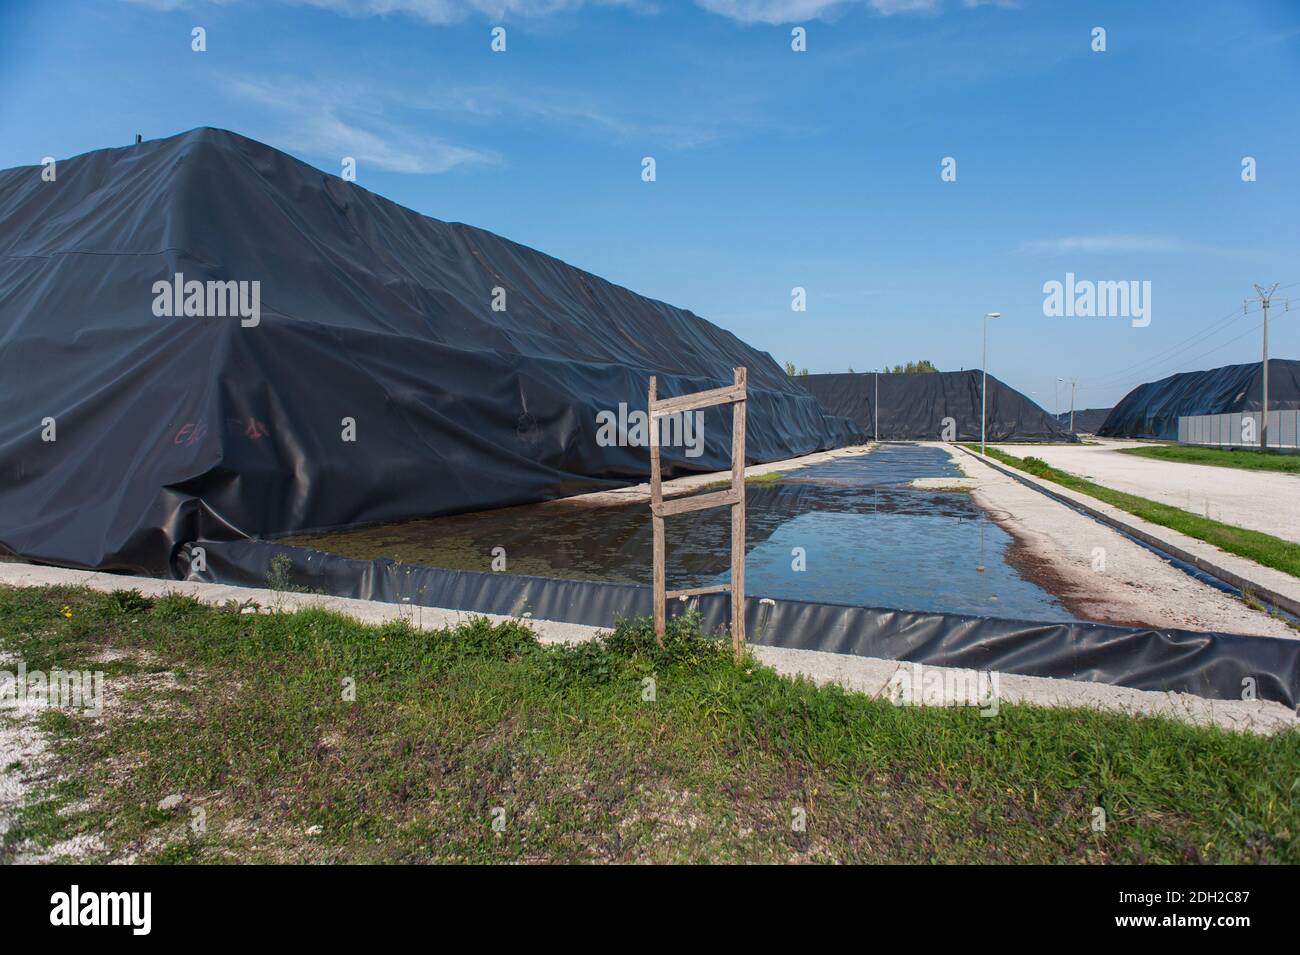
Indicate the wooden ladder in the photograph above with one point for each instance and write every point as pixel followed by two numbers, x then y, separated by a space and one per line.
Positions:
pixel 733 497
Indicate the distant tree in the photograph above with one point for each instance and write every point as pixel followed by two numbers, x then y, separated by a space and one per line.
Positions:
pixel 913 367
pixel 791 370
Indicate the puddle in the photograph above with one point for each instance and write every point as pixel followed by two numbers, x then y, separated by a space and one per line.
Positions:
pixel 867 539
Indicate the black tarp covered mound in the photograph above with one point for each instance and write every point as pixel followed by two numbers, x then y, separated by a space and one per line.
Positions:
pixel 1152 410
pixel 914 406
pixel 1086 420
pixel 376 323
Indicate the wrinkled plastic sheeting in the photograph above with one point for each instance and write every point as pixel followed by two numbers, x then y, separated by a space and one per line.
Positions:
pixel 175 429
pixel 1152 410
pixel 934 406
pixel 1086 420
pixel 1212 665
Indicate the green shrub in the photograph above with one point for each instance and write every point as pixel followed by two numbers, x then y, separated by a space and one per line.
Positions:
pixel 129 601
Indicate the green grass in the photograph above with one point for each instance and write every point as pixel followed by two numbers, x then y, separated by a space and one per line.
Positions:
pixel 1245 459
pixel 451 729
pixel 1262 548
pixel 767 477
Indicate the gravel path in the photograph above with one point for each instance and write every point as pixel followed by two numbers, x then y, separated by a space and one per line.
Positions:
pixel 1060 547
pixel 1260 500
pixel 24 760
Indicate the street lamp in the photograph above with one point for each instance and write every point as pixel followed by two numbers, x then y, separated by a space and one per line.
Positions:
pixel 984 387
pixel 876 408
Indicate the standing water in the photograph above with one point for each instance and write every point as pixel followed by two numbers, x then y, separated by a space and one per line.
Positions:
pixel 850 531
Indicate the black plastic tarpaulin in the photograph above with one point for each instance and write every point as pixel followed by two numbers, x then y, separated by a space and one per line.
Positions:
pixel 1152 410
pixel 1211 665
pixel 202 337
pixel 933 406
pixel 1086 420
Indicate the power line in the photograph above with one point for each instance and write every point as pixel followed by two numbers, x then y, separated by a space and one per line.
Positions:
pixel 1195 358
pixel 1218 325
pixel 1145 367
pixel 1214 326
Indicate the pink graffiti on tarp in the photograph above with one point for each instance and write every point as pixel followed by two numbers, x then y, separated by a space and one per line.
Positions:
pixel 191 432
pixel 249 427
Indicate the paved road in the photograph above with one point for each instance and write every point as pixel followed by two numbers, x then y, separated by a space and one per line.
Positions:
pixel 1260 500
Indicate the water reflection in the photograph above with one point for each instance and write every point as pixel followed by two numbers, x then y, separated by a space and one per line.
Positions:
pixel 867 539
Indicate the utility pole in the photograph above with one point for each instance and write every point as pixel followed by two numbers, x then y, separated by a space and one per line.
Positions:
pixel 1263 297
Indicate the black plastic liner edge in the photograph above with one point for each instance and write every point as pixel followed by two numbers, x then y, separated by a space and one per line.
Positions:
pixel 1213 665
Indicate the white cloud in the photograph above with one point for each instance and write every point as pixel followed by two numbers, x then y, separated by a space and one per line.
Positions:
pixel 431 11
pixel 307 122
pixel 795 11
pixel 557 107
pixel 453 11
pixel 163 6
pixel 1115 244
pixel 359 120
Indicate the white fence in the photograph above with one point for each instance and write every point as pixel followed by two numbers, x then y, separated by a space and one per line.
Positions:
pixel 1240 430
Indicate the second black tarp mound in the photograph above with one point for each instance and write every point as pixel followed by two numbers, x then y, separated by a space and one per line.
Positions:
pixel 933 406
pixel 1152 410
pixel 1086 420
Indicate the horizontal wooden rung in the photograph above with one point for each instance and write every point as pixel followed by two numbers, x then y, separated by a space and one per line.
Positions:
pixel 701 399
pixel 697 591
pixel 696 502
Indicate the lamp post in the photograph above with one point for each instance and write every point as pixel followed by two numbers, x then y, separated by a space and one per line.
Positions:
pixel 984 387
pixel 876 408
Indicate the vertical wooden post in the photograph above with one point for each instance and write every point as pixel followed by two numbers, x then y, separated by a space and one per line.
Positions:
pixel 656 519
pixel 738 519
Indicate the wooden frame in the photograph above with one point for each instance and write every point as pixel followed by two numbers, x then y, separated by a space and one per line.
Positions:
pixel 733 497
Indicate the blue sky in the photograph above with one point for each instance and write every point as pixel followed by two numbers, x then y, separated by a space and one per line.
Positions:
pixel 775 169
